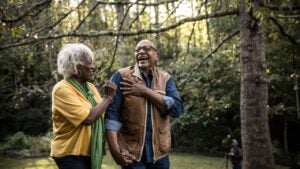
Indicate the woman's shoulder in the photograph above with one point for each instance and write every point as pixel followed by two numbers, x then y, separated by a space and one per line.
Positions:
pixel 61 84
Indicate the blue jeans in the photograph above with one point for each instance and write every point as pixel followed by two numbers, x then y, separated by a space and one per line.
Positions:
pixel 73 162
pixel 163 163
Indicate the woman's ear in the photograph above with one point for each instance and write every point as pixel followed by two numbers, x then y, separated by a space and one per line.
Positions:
pixel 79 69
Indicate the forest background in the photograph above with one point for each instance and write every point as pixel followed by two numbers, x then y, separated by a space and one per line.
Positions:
pixel 235 63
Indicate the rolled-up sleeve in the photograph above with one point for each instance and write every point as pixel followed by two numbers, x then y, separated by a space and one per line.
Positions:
pixel 112 125
pixel 112 115
pixel 173 100
pixel 169 101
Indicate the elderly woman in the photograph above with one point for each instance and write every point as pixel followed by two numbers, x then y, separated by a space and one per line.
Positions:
pixel 77 111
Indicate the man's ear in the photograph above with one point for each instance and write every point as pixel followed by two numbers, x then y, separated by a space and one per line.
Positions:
pixel 157 58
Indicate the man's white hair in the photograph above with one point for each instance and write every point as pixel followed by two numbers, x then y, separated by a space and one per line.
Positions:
pixel 70 56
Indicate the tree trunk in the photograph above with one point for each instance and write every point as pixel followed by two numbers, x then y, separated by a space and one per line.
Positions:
pixel 156 11
pixel 256 142
pixel 120 40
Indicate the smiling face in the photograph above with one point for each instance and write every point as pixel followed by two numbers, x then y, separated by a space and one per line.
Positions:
pixel 146 55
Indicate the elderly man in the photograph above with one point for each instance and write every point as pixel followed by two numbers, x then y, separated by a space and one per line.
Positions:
pixel 137 123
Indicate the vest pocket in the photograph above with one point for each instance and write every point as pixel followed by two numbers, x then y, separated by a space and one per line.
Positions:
pixel 130 137
pixel 130 132
pixel 164 138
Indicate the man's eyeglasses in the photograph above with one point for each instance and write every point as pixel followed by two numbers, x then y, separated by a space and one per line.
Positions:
pixel 145 48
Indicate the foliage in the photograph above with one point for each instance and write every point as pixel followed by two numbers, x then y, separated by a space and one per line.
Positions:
pixel 208 81
pixel 17 141
pixel 208 110
pixel 26 144
pixel 283 61
pixel 27 78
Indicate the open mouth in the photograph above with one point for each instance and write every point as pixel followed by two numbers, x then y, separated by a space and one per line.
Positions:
pixel 142 57
pixel 143 61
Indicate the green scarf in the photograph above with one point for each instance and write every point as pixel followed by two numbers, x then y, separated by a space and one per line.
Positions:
pixel 97 141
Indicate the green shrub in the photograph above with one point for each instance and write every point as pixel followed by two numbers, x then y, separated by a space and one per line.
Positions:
pixel 17 141
pixel 41 143
pixel 24 143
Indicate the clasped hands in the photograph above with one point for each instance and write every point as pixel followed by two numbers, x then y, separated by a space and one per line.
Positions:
pixel 123 158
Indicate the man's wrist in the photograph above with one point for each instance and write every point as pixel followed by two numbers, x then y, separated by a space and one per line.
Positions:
pixel 147 91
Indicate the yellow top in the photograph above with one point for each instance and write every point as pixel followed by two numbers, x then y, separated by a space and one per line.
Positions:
pixel 69 109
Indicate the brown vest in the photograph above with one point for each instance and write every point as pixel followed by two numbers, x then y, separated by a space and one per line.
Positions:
pixel 134 115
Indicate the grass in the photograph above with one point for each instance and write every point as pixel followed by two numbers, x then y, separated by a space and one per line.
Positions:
pixel 178 161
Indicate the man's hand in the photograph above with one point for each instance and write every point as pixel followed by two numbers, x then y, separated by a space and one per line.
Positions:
pixel 129 87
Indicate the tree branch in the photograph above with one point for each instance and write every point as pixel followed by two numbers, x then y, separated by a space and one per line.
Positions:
pixel 288 16
pixel 209 55
pixel 90 12
pixel 216 49
pixel 136 18
pixel 136 3
pixel 50 27
pixel 117 38
pixel 193 29
pixel 282 31
pixel 27 13
pixel 207 26
pixel 282 8
pixel 31 40
pixel 170 14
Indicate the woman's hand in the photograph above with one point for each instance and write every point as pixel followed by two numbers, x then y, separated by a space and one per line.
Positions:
pixel 109 89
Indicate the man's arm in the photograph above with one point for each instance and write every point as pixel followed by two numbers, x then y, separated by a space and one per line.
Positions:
pixel 121 156
pixel 113 125
pixel 172 100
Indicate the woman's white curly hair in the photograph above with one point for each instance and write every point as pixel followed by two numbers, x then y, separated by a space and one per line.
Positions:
pixel 70 56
